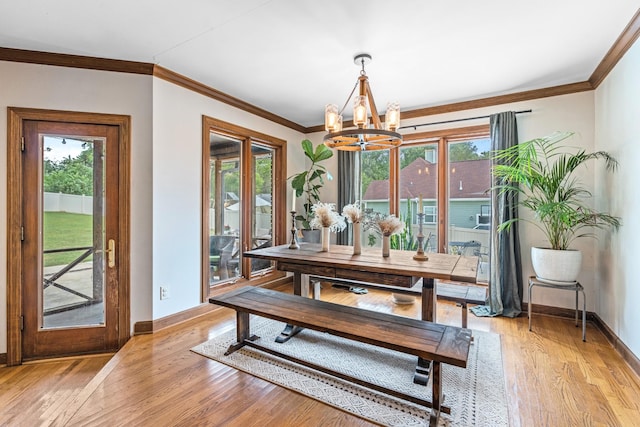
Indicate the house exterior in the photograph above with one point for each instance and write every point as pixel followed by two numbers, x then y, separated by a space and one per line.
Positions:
pixel 469 185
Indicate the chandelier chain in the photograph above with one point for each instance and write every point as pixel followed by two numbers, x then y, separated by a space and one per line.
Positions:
pixel 349 97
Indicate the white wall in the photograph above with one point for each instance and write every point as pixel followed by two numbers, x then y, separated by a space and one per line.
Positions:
pixel 60 88
pixel 177 175
pixel 573 112
pixel 617 123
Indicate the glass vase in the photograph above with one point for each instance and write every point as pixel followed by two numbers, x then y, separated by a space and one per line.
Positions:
pixel 385 245
pixel 325 237
pixel 357 238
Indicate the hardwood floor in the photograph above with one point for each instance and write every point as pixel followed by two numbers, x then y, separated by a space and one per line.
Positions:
pixel 552 379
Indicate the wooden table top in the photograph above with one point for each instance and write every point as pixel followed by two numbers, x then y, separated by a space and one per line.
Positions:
pixel 399 263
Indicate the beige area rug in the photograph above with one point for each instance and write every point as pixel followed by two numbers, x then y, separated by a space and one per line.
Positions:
pixel 476 394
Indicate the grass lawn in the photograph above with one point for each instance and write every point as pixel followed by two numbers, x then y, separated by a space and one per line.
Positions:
pixel 66 230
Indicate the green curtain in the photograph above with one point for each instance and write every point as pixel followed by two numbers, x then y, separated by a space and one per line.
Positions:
pixel 505 270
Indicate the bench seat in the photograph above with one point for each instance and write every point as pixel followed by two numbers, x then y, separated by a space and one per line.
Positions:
pixel 429 341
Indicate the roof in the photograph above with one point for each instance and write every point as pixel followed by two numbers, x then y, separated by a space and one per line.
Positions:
pixel 468 179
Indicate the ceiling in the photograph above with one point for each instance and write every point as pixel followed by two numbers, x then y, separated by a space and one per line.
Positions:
pixel 291 57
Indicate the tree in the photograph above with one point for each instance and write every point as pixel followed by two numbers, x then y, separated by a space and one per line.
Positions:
pixel 73 175
pixel 375 166
pixel 463 151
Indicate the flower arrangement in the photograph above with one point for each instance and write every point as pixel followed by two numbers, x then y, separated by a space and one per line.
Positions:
pixel 325 215
pixel 353 212
pixel 389 224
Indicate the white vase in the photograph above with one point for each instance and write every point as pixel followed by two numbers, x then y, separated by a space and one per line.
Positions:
pixel 555 266
pixel 357 238
pixel 325 237
pixel 385 245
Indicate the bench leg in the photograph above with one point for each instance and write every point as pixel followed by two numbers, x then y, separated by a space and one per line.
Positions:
pixel 243 332
pixel 436 395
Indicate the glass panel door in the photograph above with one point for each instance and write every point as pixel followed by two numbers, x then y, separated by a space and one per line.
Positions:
pixel 374 175
pixel 262 175
pixel 469 176
pixel 73 232
pixel 418 194
pixel 225 209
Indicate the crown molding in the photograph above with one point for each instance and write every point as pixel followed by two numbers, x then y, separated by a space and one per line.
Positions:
pixel 75 61
pixel 624 42
pixel 187 83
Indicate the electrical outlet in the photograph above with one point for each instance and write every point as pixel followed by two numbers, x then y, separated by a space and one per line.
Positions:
pixel 164 292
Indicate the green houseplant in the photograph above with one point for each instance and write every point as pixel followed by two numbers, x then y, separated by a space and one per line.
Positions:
pixel 309 182
pixel 544 170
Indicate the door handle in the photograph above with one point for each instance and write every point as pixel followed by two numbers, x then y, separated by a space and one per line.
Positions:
pixel 111 253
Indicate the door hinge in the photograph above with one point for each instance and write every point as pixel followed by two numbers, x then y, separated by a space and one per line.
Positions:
pixel 22 234
pixel 22 143
pixel 21 323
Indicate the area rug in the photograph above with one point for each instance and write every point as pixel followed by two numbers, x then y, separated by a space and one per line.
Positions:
pixel 476 394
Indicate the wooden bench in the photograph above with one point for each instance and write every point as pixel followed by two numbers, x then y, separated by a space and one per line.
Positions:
pixel 428 341
pixel 460 293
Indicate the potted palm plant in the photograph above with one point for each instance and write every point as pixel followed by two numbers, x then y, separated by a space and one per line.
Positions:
pixel 308 183
pixel 544 169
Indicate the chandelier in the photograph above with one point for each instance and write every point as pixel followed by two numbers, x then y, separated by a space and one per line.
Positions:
pixel 363 136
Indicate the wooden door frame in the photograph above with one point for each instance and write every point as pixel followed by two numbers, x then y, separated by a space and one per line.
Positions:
pixel 15 118
pixel 247 137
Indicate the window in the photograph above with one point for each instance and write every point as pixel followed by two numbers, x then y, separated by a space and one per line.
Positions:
pixel 449 171
pixel 244 200
pixel 430 216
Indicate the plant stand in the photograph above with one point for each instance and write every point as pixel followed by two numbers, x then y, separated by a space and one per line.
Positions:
pixel 576 286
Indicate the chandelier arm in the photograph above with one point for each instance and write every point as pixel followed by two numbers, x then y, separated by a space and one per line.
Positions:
pixel 372 105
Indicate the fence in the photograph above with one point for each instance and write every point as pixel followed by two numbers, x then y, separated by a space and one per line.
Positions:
pixel 60 202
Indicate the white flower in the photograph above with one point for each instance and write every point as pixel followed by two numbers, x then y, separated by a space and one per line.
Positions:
pixel 389 225
pixel 325 215
pixel 353 212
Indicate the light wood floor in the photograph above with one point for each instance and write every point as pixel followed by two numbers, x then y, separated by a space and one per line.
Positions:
pixel 552 379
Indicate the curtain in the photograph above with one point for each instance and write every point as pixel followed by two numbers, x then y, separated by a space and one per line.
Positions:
pixel 348 187
pixel 505 271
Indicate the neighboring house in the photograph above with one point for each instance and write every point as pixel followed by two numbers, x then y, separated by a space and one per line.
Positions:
pixel 469 181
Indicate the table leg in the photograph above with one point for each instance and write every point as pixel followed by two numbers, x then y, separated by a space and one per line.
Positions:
pixel 428 299
pixel 300 287
pixel 423 368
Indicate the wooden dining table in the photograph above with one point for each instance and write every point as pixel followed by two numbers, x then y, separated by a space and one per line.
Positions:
pixel 398 270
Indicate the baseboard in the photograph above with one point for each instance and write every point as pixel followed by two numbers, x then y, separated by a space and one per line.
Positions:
pixel 632 360
pixel 555 311
pixel 627 355
pixel 151 326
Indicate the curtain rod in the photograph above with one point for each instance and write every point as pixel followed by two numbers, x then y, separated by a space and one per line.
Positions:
pixel 415 127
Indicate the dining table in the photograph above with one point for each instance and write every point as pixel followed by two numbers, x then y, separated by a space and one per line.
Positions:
pixel 398 270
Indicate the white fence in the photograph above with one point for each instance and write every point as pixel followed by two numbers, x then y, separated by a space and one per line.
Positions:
pixel 59 202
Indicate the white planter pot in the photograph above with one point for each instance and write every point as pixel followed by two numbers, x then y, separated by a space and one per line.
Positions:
pixel 556 266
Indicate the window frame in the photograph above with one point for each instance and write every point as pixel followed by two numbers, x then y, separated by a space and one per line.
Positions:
pixel 442 138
